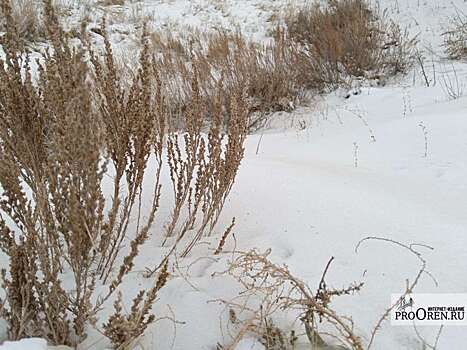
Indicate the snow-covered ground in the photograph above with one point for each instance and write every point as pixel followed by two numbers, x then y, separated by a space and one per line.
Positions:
pixel 388 162
pixel 254 18
pixel 313 203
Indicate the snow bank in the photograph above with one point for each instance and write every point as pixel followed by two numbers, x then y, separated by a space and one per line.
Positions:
pixel 25 344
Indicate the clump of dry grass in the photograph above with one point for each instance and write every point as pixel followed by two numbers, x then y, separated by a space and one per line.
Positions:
pixel 122 329
pixel 320 47
pixel 111 2
pixel 26 18
pixel 346 38
pixel 262 69
pixel 228 62
pixel 269 289
pixel 455 38
pixel 203 175
pixel 279 290
pixel 55 151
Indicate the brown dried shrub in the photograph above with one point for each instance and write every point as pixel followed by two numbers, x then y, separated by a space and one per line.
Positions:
pixel 62 130
pixel 346 38
pixel 25 16
pixel 228 62
pixel 122 329
pixel 321 47
pixel 455 38
pixel 278 290
pixel 52 140
pixel 268 289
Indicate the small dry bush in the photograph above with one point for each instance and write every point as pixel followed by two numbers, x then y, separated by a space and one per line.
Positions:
pixel 455 38
pixel 25 16
pixel 122 329
pixel 63 129
pixel 269 290
pixel 320 47
pixel 52 212
pixel 262 69
pixel 346 38
pixel 278 290
pixel 228 62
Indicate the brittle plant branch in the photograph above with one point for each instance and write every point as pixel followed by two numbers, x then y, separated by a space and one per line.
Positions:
pixel 409 287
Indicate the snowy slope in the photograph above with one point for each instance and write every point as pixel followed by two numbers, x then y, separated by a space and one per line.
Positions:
pixel 426 18
pixel 388 162
pixel 322 205
pixel 302 195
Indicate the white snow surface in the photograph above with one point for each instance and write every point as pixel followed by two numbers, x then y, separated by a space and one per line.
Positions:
pixel 388 162
pixel 25 344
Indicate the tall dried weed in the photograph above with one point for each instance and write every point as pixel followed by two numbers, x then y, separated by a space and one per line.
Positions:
pixel 63 129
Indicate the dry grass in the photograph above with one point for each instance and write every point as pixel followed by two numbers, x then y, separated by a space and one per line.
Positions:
pixel 52 208
pixel 111 2
pixel 343 39
pixel 262 69
pixel 455 38
pixel 61 131
pixel 278 290
pixel 228 62
pixel 122 329
pixel 188 107
pixel 26 17
pixel 320 47
pixel 269 290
